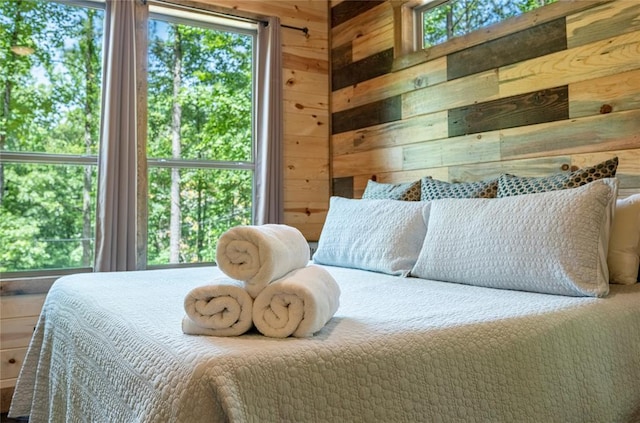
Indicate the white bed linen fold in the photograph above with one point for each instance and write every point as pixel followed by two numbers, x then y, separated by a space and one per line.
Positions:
pixel 220 308
pixel 260 254
pixel 299 304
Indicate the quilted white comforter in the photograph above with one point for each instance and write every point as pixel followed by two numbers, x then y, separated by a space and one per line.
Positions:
pixel 109 348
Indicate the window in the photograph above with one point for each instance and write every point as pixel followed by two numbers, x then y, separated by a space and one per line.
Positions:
pixel 200 140
pixel 201 144
pixel 51 76
pixel 439 21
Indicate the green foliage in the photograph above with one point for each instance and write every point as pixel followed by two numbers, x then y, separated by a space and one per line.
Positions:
pixel 54 107
pixel 458 17
pixel 51 105
pixel 216 103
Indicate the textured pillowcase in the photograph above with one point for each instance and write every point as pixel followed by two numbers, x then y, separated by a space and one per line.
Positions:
pixel 509 185
pixel 433 189
pixel 378 235
pixel 624 244
pixel 554 242
pixel 409 191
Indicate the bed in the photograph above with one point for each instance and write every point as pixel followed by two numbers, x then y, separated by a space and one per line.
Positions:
pixel 109 346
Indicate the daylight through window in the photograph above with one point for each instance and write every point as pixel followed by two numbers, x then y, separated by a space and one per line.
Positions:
pixel 439 21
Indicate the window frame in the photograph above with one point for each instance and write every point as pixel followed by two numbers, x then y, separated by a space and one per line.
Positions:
pixel 246 25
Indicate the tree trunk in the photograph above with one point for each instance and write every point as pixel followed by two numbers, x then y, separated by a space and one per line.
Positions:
pixel 90 92
pixel 176 117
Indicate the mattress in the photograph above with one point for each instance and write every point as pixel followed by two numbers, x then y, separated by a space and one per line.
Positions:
pixel 109 348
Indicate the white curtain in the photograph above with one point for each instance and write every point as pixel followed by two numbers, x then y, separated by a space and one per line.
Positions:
pixel 269 203
pixel 116 212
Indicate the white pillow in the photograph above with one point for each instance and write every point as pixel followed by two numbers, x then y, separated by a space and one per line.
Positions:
pixel 554 242
pixel 624 245
pixel 378 235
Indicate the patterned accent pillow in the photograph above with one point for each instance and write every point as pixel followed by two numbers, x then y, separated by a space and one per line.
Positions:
pixel 509 185
pixel 433 189
pixel 409 191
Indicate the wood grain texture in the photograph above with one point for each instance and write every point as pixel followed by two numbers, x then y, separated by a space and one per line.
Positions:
pixel 346 10
pixel 11 361
pixel 362 70
pixel 407 131
pixel 457 93
pixel 475 148
pixel 17 332
pixel 614 131
pixel 390 84
pixel 521 110
pixel 383 111
pixel 12 306
pixel 606 21
pixel 375 41
pixel 341 56
pixel 598 59
pixel 368 162
pixel 540 40
pixel 343 187
pixel 620 92
pixel 376 16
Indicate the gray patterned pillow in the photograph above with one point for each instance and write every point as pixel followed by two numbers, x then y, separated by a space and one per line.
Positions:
pixel 409 191
pixel 509 185
pixel 433 189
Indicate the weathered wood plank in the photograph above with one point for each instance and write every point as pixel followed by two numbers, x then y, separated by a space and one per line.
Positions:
pixel 343 187
pixel 306 124
pixel 383 111
pixel 528 167
pixel 11 361
pixel 594 60
pixel 361 24
pixel 518 23
pixel 603 22
pixel 377 40
pixel 307 212
pixel 362 70
pixel 388 85
pixel 368 162
pixel 12 306
pixel 306 190
pixel 475 148
pixel 520 110
pixel 408 131
pixel 306 64
pixel 304 82
pixel 346 10
pixel 619 92
pixel 459 92
pixel 614 131
pixel 540 40
pixel 17 332
pixel 305 168
pixel 305 146
pixel 341 56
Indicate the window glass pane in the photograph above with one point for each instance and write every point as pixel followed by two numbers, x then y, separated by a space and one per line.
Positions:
pixel 211 201
pixel 459 17
pixel 51 73
pixel 200 92
pixel 47 217
pixel 50 82
pixel 200 109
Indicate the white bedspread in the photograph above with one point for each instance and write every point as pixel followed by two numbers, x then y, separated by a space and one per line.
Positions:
pixel 109 348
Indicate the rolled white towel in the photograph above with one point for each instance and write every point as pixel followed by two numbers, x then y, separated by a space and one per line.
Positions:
pixel 221 308
pixel 257 255
pixel 299 304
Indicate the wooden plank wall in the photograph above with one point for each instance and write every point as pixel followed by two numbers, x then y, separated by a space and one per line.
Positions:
pixel 549 91
pixel 306 106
